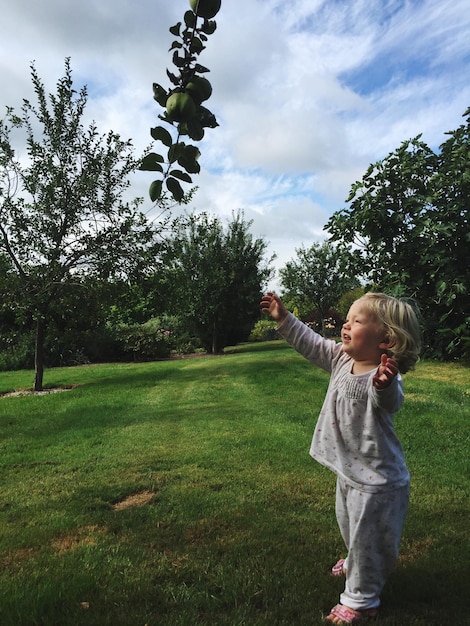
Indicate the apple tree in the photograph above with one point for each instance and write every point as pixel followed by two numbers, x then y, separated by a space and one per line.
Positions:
pixel 63 215
pixel 408 225
pixel 217 274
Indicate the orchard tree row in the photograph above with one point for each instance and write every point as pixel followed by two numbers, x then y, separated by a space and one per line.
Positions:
pixel 195 288
pixel 85 274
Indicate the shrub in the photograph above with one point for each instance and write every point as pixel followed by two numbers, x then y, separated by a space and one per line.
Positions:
pixel 182 341
pixel 143 342
pixel 264 330
pixel 16 350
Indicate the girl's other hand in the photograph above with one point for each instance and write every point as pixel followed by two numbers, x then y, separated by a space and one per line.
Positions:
pixel 386 372
pixel 272 304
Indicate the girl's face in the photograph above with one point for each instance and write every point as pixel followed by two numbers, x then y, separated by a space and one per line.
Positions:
pixel 363 337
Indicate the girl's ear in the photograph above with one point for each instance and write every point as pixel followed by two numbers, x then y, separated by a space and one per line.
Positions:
pixel 387 343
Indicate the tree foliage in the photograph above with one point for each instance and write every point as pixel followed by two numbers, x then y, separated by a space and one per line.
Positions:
pixel 408 227
pixel 63 216
pixel 217 276
pixel 318 277
pixel 183 111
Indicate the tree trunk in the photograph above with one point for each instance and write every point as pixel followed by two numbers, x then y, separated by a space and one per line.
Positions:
pixel 39 355
pixel 214 338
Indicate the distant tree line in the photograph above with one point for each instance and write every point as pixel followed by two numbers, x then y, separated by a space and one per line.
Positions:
pixel 86 275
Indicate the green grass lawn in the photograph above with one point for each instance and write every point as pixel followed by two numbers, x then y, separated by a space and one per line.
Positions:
pixel 182 493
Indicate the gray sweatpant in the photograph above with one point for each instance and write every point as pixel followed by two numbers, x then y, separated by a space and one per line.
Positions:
pixel 371 525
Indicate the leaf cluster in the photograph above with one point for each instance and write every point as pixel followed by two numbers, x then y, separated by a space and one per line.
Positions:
pixel 181 159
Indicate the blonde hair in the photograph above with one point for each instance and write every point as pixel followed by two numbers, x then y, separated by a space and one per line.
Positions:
pixel 400 321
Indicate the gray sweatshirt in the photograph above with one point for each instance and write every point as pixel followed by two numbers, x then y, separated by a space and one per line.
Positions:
pixel 354 435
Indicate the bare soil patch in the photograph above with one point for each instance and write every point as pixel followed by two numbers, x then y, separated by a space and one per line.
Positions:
pixel 31 392
pixel 86 536
pixel 134 500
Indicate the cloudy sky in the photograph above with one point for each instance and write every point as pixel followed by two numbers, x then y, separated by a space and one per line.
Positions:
pixel 307 93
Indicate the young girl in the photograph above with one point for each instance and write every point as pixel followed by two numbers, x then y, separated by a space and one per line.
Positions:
pixel 355 438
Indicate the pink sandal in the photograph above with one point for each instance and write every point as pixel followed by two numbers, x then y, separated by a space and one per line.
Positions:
pixel 341 614
pixel 338 569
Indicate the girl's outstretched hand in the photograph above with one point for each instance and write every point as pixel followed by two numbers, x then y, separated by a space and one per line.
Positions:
pixel 385 373
pixel 272 304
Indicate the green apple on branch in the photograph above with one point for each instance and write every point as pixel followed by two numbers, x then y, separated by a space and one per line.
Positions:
pixel 205 8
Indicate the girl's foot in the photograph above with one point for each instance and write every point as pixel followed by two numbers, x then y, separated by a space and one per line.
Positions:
pixel 341 614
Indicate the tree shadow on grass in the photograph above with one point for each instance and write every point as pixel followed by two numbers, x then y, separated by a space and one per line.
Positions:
pixel 428 593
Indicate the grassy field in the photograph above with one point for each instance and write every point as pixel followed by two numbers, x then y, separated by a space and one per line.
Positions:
pixel 182 493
